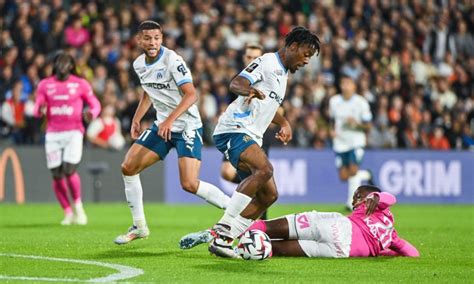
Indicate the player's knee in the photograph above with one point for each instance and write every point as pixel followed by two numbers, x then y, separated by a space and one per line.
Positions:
pixel 228 174
pixel 343 175
pixel 57 173
pixel 266 172
pixel 190 185
pixel 129 169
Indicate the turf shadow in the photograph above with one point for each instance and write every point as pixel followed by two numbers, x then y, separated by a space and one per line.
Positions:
pixel 238 266
pixel 132 252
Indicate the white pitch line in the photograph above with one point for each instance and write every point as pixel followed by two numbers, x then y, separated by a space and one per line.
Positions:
pixel 124 272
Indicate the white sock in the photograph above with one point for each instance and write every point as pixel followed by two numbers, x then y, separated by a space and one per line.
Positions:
pixel 78 207
pixel 238 202
pixel 134 194
pixel 212 195
pixel 352 184
pixel 239 225
pixel 363 174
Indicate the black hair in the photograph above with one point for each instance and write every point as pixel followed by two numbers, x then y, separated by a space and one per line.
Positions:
pixel 302 35
pixel 63 58
pixel 149 25
pixel 369 188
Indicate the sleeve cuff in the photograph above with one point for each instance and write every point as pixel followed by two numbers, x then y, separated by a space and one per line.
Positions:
pixel 248 77
pixel 184 81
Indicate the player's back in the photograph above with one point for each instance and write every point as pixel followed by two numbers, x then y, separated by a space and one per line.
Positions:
pixel 64 101
pixel 377 230
pixel 341 110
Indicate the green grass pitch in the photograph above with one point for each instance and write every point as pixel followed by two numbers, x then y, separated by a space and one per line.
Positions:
pixel 442 234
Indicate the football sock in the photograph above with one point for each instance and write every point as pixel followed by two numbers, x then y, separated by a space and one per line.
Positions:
pixel 134 194
pixel 212 195
pixel 60 189
pixel 238 202
pixel 74 183
pixel 363 175
pixel 352 184
pixel 258 225
pixel 239 225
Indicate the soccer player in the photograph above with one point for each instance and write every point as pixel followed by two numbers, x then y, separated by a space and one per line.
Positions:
pixel 168 86
pixel 228 172
pixel 368 231
pixel 63 96
pixel 351 119
pixel 261 88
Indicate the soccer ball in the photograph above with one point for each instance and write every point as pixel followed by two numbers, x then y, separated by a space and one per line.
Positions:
pixel 254 245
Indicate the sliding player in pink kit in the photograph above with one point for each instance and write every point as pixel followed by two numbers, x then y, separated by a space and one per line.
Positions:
pixel 61 97
pixel 368 231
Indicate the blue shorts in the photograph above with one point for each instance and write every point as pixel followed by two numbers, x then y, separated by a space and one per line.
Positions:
pixel 232 145
pixel 351 157
pixel 187 144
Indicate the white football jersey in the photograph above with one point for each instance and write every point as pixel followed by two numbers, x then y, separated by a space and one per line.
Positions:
pixel 161 80
pixel 340 110
pixel 268 75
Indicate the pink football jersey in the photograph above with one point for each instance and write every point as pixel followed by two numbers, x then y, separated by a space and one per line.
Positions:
pixel 64 102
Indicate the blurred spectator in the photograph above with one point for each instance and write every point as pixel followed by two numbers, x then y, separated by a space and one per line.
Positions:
pixel 105 131
pixel 414 61
pixel 438 141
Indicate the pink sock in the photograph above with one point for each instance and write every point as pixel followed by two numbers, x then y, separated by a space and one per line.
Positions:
pixel 74 182
pixel 258 225
pixel 60 189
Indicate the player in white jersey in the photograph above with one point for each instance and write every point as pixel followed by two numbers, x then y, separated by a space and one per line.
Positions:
pixel 351 119
pixel 168 86
pixel 261 88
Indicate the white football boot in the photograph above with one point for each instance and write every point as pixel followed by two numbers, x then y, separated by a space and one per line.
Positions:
pixel 133 233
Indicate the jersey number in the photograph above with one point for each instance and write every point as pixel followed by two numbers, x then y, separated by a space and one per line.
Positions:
pixel 144 135
pixel 381 230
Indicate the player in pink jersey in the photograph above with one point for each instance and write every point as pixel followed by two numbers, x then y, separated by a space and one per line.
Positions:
pixel 368 231
pixel 61 98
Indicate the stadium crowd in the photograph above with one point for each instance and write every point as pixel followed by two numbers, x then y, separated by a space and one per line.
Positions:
pixel 412 60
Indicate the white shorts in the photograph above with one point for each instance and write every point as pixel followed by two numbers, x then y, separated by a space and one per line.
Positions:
pixel 321 234
pixel 65 146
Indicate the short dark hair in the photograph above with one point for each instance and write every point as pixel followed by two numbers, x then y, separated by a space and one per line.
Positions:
pixel 149 25
pixel 302 35
pixel 254 46
pixel 369 188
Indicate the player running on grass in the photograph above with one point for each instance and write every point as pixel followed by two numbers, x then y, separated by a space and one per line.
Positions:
pixel 168 86
pixel 368 231
pixel 63 96
pixel 261 88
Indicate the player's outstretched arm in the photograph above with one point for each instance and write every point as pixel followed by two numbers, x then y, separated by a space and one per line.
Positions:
pixel 285 134
pixel 400 247
pixel 40 101
pixel 242 86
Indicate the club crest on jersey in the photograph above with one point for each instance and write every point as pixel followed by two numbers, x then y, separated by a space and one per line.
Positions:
pixel 160 74
pixel 182 69
pixel 246 138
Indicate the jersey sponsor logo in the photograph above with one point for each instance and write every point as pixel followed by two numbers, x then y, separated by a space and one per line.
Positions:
pixel 251 67
pixel 276 97
pixel 158 86
pixel 182 69
pixel 62 110
pixel 61 97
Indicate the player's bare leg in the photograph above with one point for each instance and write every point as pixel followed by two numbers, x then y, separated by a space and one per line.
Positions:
pixel 136 160
pixel 287 248
pixel 229 173
pixel 189 178
pixel 233 224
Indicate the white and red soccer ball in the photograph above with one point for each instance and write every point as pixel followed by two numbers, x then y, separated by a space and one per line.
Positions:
pixel 254 245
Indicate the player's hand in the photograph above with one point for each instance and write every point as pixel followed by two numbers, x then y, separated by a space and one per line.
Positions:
pixel 164 130
pixel 135 130
pixel 88 116
pixel 371 203
pixel 351 123
pixel 285 134
pixel 254 93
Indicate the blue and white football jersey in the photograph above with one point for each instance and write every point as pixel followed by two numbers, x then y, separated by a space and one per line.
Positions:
pixel 161 80
pixel 268 75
